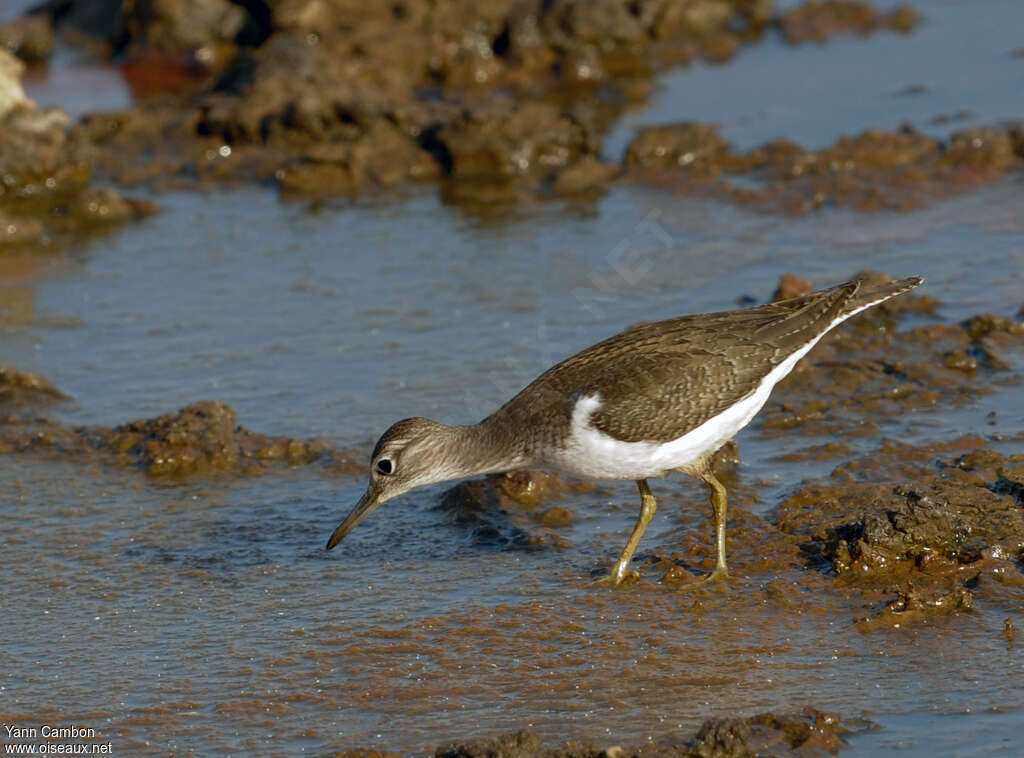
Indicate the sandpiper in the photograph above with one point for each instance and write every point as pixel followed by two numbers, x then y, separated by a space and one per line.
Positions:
pixel 659 397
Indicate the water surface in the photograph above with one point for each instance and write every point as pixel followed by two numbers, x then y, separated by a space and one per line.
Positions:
pixel 204 615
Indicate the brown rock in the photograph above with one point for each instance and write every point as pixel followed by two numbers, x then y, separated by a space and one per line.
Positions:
pixel 589 174
pixel 507 140
pixel 816 21
pixel 201 436
pixel 690 146
pixel 20 388
pixel 791 285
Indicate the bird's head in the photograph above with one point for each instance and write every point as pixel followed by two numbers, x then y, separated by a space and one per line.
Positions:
pixel 412 453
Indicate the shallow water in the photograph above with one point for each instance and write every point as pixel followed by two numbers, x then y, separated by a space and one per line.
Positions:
pixel 956 70
pixel 186 617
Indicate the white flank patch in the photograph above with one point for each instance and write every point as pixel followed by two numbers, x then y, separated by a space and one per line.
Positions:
pixel 592 454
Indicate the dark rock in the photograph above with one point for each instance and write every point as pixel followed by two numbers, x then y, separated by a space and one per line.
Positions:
pixel 807 733
pixel 768 734
pixel 524 744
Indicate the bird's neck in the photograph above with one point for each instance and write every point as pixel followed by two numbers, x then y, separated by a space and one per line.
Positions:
pixel 484 448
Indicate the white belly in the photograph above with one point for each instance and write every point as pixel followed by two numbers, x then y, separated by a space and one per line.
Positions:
pixel 592 454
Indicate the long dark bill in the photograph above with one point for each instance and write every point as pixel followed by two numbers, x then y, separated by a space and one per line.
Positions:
pixel 366 505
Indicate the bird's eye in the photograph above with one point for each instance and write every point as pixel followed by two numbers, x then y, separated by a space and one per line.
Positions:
pixel 384 466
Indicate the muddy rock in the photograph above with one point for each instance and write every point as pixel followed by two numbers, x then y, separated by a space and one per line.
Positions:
pixel 768 734
pixel 873 171
pixel 46 190
pixel 808 732
pixel 693 147
pixel 509 140
pixel 984 324
pixel 524 744
pixel 202 436
pixel 916 606
pixel 817 21
pixel 154 28
pixel 20 388
pixel 336 96
pixel 790 286
pixel 19 232
pixel 912 525
pixel 983 149
pixel 588 175
pixel 367 753
pixel 333 96
pixel 30 38
pixel 936 531
pixel 180 26
pixel 382 157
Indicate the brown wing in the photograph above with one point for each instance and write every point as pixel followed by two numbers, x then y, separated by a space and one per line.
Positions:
pixel 702 366
pixel 659 380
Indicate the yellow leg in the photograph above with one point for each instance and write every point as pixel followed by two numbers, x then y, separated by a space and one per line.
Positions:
pixel 648 505
pixel 718 504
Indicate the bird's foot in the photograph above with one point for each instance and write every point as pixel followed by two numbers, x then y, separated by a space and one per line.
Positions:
pixel 616 577
pixel 719 576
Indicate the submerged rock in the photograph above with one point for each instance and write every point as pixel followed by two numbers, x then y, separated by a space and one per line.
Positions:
pixel 505 510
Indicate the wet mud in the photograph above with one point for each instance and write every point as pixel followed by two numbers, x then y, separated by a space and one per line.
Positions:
pixel 202 438
pixel 873 171
pixel 918 531
pixel 503 102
